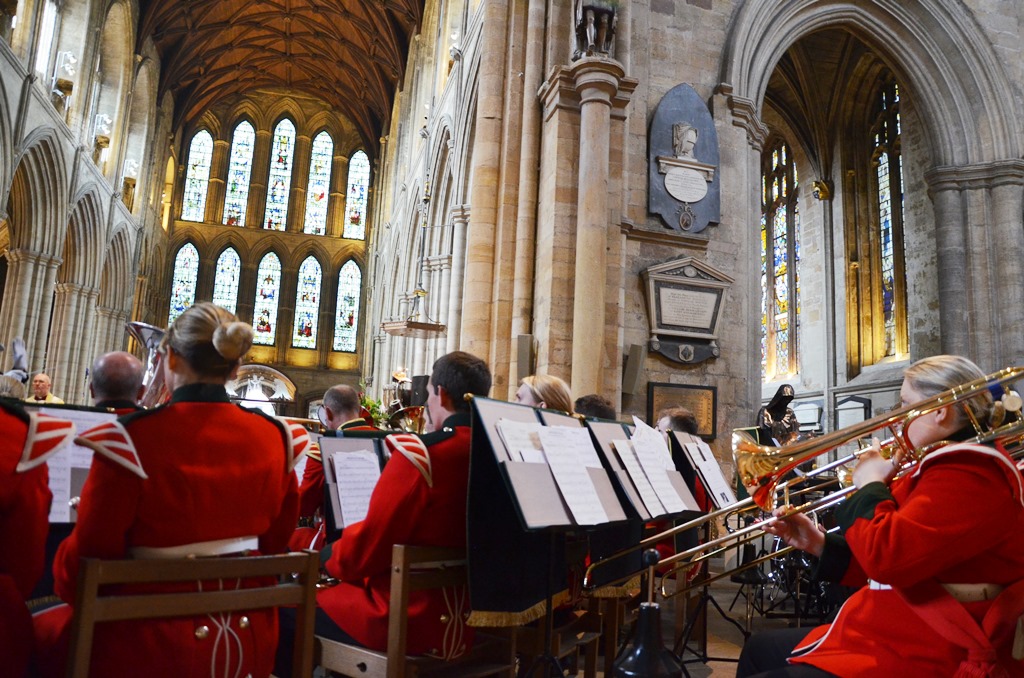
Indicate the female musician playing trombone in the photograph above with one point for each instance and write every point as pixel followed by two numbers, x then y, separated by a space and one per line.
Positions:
pixel 197 477
pixel 938 554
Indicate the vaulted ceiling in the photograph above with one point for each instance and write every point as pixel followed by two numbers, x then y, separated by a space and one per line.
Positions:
pixel 349 53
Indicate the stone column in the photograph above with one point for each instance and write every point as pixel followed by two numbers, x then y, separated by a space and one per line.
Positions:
pixel 216 191
pixel 336 201
pixel 442 306
pixel 28 298
pixel 258 179
pixel 950 242
pixel 597 82
pixel 456 292
pixel 300 175
pixel 1007 197
pixel 62 339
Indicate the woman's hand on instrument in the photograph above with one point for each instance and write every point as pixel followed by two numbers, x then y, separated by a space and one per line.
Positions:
pixel 872 468
pixel 797 530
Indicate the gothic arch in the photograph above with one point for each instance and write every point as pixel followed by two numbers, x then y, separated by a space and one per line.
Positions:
pixel 294 259
pixel 246 110
pixel 5 144
pixel 286 108
pixel 116 279
pixel 936 49
pixel 141 118
pixel 228 239
pixel 38 195
pixel 115 76
pixel 83 244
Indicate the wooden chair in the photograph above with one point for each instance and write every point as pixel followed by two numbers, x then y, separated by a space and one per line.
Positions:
pixel 581 633
pixel 417 568
pixel 93 606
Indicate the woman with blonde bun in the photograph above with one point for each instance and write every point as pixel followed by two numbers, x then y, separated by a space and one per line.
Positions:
pixel 199 476
pixel 545 390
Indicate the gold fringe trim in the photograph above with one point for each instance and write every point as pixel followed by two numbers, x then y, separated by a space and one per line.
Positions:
pixel 486 619
pixel 36 603
pixel 623 591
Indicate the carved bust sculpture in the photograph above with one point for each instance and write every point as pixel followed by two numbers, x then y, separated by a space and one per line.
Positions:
pixel 684 138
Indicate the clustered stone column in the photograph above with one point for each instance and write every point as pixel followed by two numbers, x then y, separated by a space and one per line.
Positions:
pixel 28 299
pixel 460 223
pixel 258 183
pixel 73 323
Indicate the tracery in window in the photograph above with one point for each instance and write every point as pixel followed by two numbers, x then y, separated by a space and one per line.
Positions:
pixel 355 202
pixel 236 196
pixel 780 256
pixel 183 284
pixel 282 153
pixel 225 281
pixel 346 323
pixel 197 177
pixel 307 304
pixel 888 283
pixel 268 289
pixel 318 190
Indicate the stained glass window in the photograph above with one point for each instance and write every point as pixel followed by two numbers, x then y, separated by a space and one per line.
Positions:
pixel 225 281
pixel 318 189
pixel 183 286
pixel 888 173
pixel 307 304
pixel 346 323
pixel 268 289
pixel 236 196
pixel 355 202
pixel 279 184
pixel 197 177
pixel 780 256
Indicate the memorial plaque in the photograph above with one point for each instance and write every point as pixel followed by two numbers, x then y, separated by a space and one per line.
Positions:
pixel 688 308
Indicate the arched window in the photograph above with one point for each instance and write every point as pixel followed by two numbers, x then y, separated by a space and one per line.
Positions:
pixel 889 283
pixel 47 32
pixel 355 203
pixel 346 323
pixel 268 289
pixel 279 184
pixel 183 285
pixel 197 177
pixel 225 282
pixel 307 304
pixel 318 190
pixel 780 257
pixel 236 197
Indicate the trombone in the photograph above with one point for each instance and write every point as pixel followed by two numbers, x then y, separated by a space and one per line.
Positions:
pixel 761 468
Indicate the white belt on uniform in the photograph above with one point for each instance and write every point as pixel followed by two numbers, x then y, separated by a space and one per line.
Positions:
pixel 963 593
pixel 203 549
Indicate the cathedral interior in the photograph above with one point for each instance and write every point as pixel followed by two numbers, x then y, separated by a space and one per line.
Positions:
pixel 675 201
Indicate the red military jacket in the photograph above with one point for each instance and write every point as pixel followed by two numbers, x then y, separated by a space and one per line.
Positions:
pixel 420 499
pixel 27 440
pixel 199 469
pixel 956 520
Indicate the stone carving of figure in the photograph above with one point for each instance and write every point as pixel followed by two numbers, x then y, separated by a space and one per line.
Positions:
pixel 595 27
pixel 684 138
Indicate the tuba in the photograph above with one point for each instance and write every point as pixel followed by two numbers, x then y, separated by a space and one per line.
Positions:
pixel 154 389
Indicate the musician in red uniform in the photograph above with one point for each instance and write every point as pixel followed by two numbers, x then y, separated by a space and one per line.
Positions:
pixel 420 499
pixel 116 382
pixel 342 409
pixel 27 440
pixel 199 477
pixel 940 549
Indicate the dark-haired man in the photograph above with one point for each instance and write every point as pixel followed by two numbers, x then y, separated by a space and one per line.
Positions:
pixel 595 406
pixel 420 499
pixel 117 381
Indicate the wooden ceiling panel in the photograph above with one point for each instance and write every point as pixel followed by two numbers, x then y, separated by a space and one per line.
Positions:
pixel 350 53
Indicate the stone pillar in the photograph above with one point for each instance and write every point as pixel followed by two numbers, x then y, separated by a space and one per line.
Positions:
pixel 1007 197
pixel 336 201
pixel 297 192
pixel 597 82
pixel 258 179
pixel 28 298
pixel 216 191
pixel 442 307
pixel 457 293
pixel 72 325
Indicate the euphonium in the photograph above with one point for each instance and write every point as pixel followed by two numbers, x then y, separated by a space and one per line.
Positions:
pixel 154 389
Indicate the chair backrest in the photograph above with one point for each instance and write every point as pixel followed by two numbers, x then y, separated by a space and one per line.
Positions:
pixel 93 606
pixel 416 568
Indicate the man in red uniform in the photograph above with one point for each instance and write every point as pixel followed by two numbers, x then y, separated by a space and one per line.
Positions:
pixel 341 412
pixel 420 499
pixel 26 441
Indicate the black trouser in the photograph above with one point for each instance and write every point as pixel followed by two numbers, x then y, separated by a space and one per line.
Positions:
pixel 764 656
pixel 323 625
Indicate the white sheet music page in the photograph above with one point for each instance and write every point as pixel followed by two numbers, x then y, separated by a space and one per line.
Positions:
pixel 357 474
pixel 624 448
pixel 655 458
pixel 69 468
pixel 522 440
pixel 561 445
pixel 707 465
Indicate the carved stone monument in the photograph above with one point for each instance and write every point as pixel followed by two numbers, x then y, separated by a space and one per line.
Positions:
pixel 595 28
pixel 683 185
pixel 684 304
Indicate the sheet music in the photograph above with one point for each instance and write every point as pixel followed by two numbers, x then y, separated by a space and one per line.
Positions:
pixel 704 461
pixel 357 474
pixel 656 460
pixel 69 468
pixel 571 475
pixel 521 439
pixel 653 440
pixel 636 473
pixel 579 442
